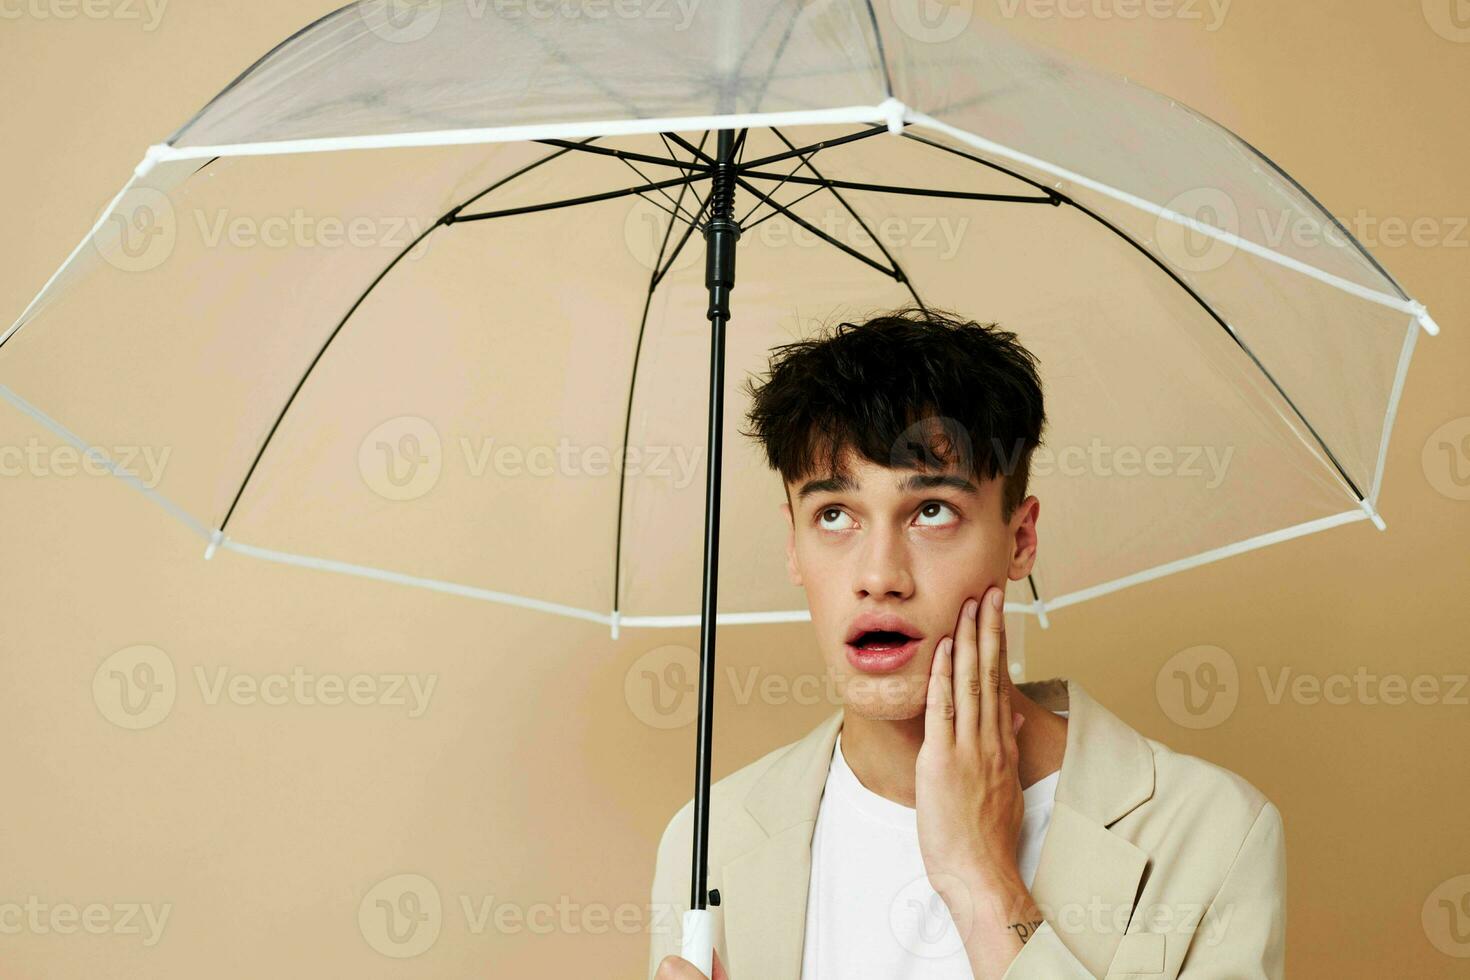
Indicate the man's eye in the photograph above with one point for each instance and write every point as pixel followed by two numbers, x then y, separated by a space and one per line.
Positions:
pixel 930 508
pixel 823 514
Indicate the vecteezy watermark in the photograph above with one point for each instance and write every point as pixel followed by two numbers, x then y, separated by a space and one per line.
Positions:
pixel 932 22
pixel 922 921
pixel 678 14
pixel 138 686
pixel 407 21
pixel 403 916
pixel 661 685
pixel 1205 240
pixel 1200 687
pixel 1210 14
pixel 1363 686
pixel 651 242
pixel 1207 463
pixel 1446 458
pixel 404 457
pixel 303 230
pixel 931 918
pixel 135 687
pixel 35 917
pixel 147 13
pixel 1446 917
pixel 35 459
pixel 1450 19
pixel 1206 923
pixel 142 231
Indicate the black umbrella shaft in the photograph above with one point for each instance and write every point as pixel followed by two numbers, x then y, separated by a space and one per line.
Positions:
pixel 720 235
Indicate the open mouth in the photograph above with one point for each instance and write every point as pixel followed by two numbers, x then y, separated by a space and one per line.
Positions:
pixel 876 641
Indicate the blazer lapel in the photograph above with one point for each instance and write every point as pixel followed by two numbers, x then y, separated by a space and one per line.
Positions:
pixel 765 889
pixel 1088 877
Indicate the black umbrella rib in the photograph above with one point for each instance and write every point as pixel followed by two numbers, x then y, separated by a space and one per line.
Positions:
pixel 625 154
pixel 698 153
pixel 1051 198
pixel 909 135
pixel 806 162
pixel 661 269
pixel 679 211
pixel 862 134
pixel 1193 294
pixel 574 201
pixel 444 220
pixel 777 205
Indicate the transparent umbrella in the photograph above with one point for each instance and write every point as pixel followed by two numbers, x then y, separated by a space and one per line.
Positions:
pixel 444 294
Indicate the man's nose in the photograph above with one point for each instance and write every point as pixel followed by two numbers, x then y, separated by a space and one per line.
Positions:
pixel 883 566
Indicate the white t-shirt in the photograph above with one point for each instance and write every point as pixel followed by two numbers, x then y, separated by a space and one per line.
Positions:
pixel 870 909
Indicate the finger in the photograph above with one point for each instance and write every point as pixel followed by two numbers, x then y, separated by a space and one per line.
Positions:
pixel 673 967
pixel 939 707
pixel 1003 690
pixel 719 969
pixel 966 675
pixel 992 632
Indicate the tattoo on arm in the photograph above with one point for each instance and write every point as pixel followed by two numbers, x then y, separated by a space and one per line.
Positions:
pixel 1025 929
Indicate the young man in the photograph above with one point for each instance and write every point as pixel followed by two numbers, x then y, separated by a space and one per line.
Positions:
pixel 946 822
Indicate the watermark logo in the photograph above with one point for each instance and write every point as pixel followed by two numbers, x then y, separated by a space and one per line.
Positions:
pixel 140 231
pixel 1446 917
pixel 401 459
pixel 932 21
pixel 1198 687
pixel 1450 19
pixel 135 687
pixel 401 915
pixel 1446 458
pixel 1189 248
pixel 660 687
pixel 922 921
pixel 402 21
pixel 647 235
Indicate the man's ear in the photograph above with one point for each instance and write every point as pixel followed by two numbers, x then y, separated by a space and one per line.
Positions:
pixel 792 572
pixel 1023 534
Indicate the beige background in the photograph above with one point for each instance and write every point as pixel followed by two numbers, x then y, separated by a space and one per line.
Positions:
pixel 263 829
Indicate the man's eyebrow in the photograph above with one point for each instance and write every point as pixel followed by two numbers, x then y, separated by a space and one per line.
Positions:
pixel 914 481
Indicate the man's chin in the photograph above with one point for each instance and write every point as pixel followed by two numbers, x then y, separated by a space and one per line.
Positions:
pixel 884 697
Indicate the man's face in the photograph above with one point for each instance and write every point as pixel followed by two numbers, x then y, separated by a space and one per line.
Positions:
pixel 898 542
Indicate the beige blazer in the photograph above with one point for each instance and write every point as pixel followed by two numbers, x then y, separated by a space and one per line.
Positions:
pixel 1156 864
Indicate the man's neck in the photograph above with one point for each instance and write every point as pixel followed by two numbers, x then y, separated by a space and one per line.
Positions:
pixel 882 753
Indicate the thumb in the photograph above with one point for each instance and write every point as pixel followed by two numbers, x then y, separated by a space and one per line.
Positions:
pixel 719 969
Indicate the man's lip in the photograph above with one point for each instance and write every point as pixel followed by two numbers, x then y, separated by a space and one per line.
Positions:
pixel 882 661
pixel 881 623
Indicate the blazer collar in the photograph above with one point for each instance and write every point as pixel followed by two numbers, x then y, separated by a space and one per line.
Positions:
pixel 1107 771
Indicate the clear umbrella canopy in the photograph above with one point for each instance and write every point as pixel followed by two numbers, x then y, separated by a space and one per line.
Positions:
pixel 332 322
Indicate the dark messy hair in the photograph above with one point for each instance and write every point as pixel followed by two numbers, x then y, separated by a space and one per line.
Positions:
pixel 915 388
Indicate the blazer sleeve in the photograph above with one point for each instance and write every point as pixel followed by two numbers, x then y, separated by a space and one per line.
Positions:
pixel 1241 935
pixel 1243 932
